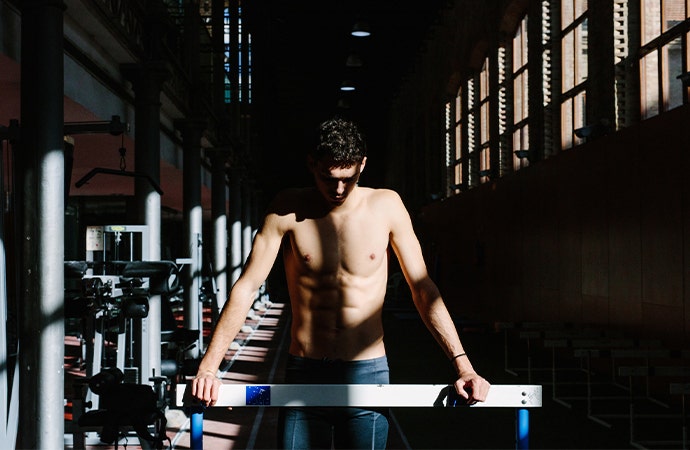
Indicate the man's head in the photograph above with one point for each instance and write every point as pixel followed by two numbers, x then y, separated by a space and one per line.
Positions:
pixel 340 142
pixel 338 159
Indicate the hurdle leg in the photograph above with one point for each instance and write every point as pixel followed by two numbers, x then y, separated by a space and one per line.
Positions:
pixel 522 429
pixel 196 428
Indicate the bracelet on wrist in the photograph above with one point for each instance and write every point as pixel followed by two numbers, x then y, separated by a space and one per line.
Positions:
pixel 458 356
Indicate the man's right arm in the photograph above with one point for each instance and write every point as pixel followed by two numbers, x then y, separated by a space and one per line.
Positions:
pixel 265 248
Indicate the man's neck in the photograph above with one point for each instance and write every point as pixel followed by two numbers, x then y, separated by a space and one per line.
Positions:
pixel 350 203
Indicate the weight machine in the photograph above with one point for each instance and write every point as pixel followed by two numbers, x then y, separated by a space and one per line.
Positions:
pixel 121 388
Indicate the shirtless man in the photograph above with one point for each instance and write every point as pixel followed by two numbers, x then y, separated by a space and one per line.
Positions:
pixel 334 239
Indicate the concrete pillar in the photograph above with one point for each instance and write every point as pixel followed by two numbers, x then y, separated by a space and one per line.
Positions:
pixel 219 216
pixel 41 167
pixel 193 215
pixel 147 79
pixel 247 200
pixel 235 226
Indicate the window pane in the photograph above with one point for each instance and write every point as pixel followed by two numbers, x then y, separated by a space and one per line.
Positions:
pixel 674 13
pixel 581 52
pixel 651 22
pixel 567 124
pixel 571 10
pixel 458 141
pixel 517 139
pixel 484 133
pixel 517 50
pixel 649 85
pixel 568 61
pixel 580 7
pixel 518 114
pixel 458 106
pixel 579 114
pixel 521 138
pixel 672 60
pixel 484 164
pixel 567 13
pixel 484 81
pixel 520 145
pixel 520 96
pixel 520 46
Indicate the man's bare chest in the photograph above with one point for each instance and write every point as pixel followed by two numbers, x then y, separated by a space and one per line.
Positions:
pixel 357 245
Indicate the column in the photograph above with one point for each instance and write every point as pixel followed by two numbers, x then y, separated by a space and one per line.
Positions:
pixel 147 79
pixel 235 226
pixel 41 169
pixel 219 216
pixel 193 214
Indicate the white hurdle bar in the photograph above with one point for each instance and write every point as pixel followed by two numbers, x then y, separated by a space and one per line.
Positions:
pixel 520 397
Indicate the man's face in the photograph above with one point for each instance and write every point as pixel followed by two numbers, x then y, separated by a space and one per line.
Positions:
pixel 335 183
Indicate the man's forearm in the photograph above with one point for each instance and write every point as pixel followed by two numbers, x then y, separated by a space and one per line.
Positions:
pixel 436 317
pixel 229 324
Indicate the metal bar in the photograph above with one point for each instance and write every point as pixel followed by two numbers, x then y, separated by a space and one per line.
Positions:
pixel 364 395
pixel 521 397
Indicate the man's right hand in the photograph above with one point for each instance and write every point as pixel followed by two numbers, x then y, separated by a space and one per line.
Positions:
pixel 205 388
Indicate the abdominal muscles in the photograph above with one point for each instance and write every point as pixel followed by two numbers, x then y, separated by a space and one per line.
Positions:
pixel 337 315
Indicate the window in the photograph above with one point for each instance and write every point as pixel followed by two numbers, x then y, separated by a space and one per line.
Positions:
pixel 238 54
pixel 484 121
pixel 574 69
pixel 520 97
pixel 458 178
pixel 664 35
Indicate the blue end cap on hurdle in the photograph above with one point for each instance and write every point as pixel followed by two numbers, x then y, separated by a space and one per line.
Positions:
pixel 258 396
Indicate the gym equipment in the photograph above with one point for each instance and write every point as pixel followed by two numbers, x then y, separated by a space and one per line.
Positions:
pixel 126 405
pixel 520 397
pixel 118 301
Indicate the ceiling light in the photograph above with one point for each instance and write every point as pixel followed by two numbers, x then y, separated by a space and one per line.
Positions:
pixel 347 85
pixel 361 29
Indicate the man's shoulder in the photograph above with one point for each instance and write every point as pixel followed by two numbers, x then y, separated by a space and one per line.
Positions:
pixel 382 195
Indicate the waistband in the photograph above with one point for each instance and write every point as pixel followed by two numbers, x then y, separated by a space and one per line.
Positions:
pixel 327 361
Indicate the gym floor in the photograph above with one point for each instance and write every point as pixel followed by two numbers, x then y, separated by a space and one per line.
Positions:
pixel 415 358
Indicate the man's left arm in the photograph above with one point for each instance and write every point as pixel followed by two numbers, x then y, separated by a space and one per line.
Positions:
pixel 428 301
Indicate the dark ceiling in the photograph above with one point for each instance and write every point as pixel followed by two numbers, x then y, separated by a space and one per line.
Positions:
pixel 299 53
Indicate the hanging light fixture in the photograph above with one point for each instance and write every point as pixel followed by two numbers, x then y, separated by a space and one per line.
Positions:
pixel 361 29
pixel 347 86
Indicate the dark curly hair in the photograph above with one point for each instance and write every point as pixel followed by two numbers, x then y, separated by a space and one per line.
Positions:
pixel 341 141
